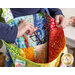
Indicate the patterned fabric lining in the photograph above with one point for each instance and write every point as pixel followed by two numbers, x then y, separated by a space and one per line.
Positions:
pixel 34 53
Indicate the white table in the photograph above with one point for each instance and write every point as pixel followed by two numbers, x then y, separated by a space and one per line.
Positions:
pixel 70 39
pixel 70 35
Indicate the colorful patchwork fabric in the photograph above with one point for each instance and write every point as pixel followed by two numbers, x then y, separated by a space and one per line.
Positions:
pixel 39 21
pixel 38 54
pixel 56 39
pixel 41 33
pixel 7 14
pixel 22 62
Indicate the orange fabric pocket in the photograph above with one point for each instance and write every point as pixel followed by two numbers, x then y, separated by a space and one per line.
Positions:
pixel 29 53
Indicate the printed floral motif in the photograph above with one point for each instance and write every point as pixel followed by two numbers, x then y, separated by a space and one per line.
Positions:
pixel 7 14
pixel 38 54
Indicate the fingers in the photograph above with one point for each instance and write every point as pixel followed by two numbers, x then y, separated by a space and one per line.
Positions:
pixel 27 32
pixel 25 27
pixel 64 22
pixel 61 21
pixel 31 31
pixel 57 20
pixel 30 28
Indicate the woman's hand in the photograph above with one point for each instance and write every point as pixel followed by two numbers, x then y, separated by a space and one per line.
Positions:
pixel 25 27
pixel 61 21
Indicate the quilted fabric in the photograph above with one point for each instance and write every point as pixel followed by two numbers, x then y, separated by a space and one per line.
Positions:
pixel 56 39
pixel 40 50
pixel 35 39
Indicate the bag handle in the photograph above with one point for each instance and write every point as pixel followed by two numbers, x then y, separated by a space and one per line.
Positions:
pixel 47 11
pixel 8 14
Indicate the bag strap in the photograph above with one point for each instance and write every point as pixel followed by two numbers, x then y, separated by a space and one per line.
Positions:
pixel 47 11
pixel 7 14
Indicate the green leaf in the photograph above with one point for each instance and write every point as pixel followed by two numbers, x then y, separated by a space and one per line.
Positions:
pixel 12 65
pixel 0 12
pixel 1 43
pixel 2 19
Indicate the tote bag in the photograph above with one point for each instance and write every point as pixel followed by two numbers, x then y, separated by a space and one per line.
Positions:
pixel 42 48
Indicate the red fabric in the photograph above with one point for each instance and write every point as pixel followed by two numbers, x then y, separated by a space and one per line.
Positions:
pixel 56 39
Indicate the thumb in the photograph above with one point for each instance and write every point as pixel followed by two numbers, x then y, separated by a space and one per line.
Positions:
pixel 57 20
